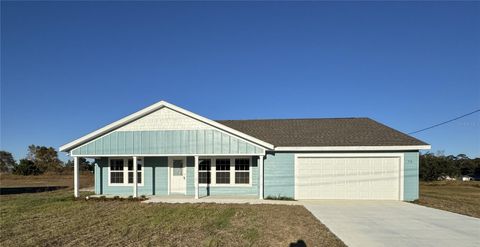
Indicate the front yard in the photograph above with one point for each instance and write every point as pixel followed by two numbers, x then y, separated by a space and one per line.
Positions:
pixel 454 196
pixel 55 218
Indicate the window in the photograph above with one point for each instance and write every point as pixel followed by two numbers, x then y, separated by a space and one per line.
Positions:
pixel 177 167
pixel 242 171
pixel 204 171
pixel 116 171
pixel 139 171
pixel 225 171
pixel 121 171
pixel 222 171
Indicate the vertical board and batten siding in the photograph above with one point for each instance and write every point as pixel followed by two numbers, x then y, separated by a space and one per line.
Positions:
pixel 167 142
pixel 411 176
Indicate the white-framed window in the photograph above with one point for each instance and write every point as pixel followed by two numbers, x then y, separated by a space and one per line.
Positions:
pixel 222 167
pixel 121 171
pixel 225 171
pixel 204 171
pixel 116 171
pixel 139 171
pixel 242 171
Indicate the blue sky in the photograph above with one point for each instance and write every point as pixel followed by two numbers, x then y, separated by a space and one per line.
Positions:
pixel 68 68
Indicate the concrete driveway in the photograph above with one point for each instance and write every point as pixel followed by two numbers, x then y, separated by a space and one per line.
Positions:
pixel 390 223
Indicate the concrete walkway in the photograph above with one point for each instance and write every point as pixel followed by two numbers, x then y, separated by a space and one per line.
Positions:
pixel 391 223
pixel 216 199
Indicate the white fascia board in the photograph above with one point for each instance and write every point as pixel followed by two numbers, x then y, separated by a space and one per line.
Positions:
pixel 354 148
pixel 111 126
pixel 151 109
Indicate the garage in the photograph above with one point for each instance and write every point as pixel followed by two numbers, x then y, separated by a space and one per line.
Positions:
pixel 367 177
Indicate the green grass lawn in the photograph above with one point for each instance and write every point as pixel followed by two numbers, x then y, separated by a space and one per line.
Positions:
pixel 454 196
pixel 55 218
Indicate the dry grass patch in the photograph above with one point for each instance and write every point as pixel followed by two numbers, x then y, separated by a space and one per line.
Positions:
pixel 10 180
pixel 55 218
pixel 453 196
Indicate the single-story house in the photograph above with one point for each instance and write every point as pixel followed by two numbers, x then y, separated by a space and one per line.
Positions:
pixel 176 152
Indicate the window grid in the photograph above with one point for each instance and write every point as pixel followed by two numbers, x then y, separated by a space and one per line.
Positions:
pixel 242 171
pixel 130 171
pixel 116 168
pixel 204 171
pixel 222 175
pixel 121 172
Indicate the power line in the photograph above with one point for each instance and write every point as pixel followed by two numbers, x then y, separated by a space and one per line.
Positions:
pixel 442 123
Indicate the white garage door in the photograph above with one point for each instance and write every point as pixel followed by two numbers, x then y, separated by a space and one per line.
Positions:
pixel 371 178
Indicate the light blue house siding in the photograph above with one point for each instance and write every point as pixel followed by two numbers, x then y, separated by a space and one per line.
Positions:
pixel 411 176
pixel 102 187
pixel 167 142
pixel 156 180
pixel 242 190
pixel 160 173
pixel 279 175
pixel 279 178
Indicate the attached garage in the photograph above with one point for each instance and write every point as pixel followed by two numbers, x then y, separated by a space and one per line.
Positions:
pixel 349 176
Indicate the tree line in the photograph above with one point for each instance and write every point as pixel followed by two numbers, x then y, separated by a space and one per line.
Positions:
pixel 39 160
pixel 435 167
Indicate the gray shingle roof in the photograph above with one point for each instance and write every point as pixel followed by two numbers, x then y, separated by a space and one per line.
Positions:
pixel 323 132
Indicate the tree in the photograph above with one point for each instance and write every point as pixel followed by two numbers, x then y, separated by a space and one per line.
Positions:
pixel 7 162
pixel 26 167
pixel 85 165
pixel 45 159
pixel 433 166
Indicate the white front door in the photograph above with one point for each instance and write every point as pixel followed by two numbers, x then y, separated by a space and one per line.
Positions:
pixel 178 176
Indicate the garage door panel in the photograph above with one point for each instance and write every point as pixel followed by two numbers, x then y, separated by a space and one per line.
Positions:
pixel 348 178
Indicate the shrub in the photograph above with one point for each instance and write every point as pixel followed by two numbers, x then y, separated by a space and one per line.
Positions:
pixel 280 197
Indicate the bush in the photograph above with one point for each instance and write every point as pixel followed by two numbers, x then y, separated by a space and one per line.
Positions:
pixel 280 197
pixel 26 167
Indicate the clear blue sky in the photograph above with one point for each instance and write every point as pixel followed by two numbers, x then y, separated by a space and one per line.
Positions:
pixel 68 68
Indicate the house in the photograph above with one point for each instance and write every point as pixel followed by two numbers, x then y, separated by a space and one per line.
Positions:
pixel 176 152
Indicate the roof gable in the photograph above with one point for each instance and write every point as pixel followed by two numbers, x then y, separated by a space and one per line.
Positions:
pixel 164 119
pixel 135 121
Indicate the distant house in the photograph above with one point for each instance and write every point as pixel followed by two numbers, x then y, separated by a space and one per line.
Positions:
pixel 176 152
pixel 447 178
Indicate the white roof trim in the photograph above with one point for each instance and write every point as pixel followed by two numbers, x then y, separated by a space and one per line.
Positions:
pixel 354 148
pixel 151 109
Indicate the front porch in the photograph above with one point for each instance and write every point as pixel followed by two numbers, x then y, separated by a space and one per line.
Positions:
pixel 179 179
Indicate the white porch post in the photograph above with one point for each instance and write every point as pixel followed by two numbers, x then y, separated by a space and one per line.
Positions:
pixel 196 177
pixel 260 167
pixel 135 184
pixel 76 170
